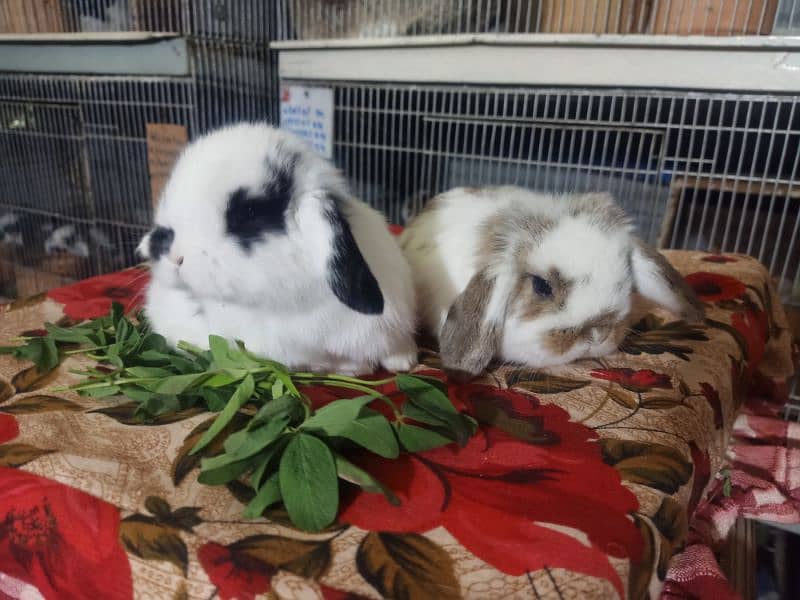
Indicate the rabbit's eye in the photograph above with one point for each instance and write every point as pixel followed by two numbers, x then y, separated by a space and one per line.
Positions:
pixel 541 287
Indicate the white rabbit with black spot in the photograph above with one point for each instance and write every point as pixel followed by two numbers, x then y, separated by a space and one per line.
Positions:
pixel 259 239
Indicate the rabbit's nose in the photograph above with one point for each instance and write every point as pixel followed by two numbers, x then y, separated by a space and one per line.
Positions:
pixel 600 334
pixel 179 262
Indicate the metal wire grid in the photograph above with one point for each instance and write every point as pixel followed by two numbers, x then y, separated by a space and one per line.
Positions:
pixel 325 19
pixel 242 20
pixel 312 19
pixel 74 153
pixel 84 138
pixel 695 170
pixel 235 72
pixel 706 171
pixel 122 15
pixel 247 21
pixel 235 82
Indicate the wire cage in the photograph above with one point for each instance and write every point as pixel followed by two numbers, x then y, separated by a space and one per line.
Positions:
pixel 330 19
pixel 75 192
pixel 714 171
pixel 674 160
pixel 74 187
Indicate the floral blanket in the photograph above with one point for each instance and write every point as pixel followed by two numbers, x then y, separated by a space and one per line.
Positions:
pixel 580 483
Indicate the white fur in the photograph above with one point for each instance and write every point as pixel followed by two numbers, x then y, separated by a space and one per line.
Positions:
pixel 276 298
pixel 443 246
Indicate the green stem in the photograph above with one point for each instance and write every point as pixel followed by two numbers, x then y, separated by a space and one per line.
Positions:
pixel 354 380
pixel 324 380
pixel 89 386
pixel 89 349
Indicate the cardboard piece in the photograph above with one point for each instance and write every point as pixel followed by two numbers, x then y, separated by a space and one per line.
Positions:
pixel 307 112
pixel 165 141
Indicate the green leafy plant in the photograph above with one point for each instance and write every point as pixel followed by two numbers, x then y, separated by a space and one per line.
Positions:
pixel 284 449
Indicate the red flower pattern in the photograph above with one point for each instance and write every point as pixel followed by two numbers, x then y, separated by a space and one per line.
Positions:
pixel 60 540
pixel 713 287
pixel 234 578
pixel 330 593
pixel 243 577
pixel 92 297
pixel 8 428
pixel 527 495
pixel 752 324
pixel 700 477
pixel 532 495
pixel 639 381
pixel 712 395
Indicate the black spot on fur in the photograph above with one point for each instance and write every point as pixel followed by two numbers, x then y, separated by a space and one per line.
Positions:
pixel 348 273
pixel 160 241
pixel 70 240
pixel 248 217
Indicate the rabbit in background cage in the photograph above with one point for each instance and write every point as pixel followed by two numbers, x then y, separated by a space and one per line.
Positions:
pixel 532 278
pixel 324 19
pixel 23 234
pixel 85 242
pixel 104 15
pixel 259 239
pixel 34 238
pixel 10 233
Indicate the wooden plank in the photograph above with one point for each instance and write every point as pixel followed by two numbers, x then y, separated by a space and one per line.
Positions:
pixel 731 184
pixel 738 558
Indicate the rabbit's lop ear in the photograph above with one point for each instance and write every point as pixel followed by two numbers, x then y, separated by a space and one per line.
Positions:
pixel 349 276
pixel 658 281
pixel 469 338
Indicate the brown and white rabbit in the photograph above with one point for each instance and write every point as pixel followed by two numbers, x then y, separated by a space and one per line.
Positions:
pixel 532 278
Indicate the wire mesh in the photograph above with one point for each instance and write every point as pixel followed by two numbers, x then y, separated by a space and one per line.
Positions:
pixel 326 19
pixel 234 71
pixel 704 171
pixel 75 189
